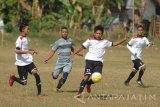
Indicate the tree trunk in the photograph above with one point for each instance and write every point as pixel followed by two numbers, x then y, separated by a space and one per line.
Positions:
pixel 36 10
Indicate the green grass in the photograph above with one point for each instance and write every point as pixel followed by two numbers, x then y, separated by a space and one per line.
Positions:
pixel 109 92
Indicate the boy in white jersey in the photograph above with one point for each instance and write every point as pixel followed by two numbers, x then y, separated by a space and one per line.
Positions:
pixel 64 63
pixel 135 46
pixel 24 61
pixel 94 56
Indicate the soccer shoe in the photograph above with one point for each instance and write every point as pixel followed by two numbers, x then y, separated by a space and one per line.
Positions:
pixel 41 95
pixel 140 83
pixel 11 81
pixel 78 95
pixel 58 90
pixel 126 83
pixel 88 87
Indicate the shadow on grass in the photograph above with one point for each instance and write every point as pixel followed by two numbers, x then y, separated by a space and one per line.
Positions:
pixel 71 91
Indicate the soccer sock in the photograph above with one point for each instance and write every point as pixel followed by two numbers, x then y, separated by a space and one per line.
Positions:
pixel 38 83
pixel 132 74
pixel 82 85
pixel 19 81
pixel 90 82
pixel 141 72
pixel 60 83
pixel 62 80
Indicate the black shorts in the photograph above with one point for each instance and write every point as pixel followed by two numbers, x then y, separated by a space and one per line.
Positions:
pixel 137 63
pixel 93 66
pixel 23 70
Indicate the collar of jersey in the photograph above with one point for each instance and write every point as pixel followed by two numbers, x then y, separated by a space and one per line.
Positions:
pixel 98 39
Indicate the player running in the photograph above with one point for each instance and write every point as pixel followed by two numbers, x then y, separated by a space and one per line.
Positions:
pixel 24 61
pixel 135 46
pixel 94 57
pixel 64 63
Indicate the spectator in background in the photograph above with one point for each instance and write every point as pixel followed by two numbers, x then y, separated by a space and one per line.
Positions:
pixel 148 13
pixel 129 11
pixel 1 26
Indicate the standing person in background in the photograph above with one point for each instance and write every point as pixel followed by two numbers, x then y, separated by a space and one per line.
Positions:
pixel 148 14
pixel 129 12
pixel 24 61
pixel 135 46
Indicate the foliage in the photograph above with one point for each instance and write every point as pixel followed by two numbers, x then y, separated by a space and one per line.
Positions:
pixel 8 27
pixel 56 13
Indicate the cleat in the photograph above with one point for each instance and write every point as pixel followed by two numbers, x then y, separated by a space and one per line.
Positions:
pixel 58 90
pixel 41 95
pixel 140 83
pixel 88 87
pixel 126 83
pixel 78 95
pixel 11 81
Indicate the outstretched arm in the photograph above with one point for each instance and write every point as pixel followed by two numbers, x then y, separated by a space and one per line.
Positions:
pixel 78 50
pixel 49 56
pixel 120 41
pixel 73 50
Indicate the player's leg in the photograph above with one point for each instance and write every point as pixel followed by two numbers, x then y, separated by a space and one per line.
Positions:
pixel 22 76
pixel 142 68
pixel 33 70
pixel 98 68
pixel 132 74
pixel 58 69
pixel 66 70
pixel 88 71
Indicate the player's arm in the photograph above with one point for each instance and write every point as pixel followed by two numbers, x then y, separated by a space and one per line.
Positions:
pixel 148 43
pixel 19 51
pixel 51 54
pixel 73 50
pixel 79 50
pixel 120 41
pixel 35 52
pixel 131 49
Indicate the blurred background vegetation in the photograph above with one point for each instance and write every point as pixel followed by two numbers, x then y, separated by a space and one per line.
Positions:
pixel 45 17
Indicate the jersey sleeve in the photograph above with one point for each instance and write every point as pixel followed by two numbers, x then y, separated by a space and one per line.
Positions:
pixel 108 43
pixel 147 41
pixel 19 43
pixel 131 42
pixel 86 44
pixel 54 46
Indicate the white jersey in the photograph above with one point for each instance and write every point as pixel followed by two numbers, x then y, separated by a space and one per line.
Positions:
pixel 23 59
pixel 96 48
pixel 135 46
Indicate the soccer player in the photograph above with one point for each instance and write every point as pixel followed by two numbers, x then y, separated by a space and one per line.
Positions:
pixel 135 46
pixel 24 61
pixel 94 58
pixel 64 63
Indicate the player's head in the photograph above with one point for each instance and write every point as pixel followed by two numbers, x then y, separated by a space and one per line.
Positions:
pixel 140 30
pixel 24 28
pixel 98 31
pixel 64 32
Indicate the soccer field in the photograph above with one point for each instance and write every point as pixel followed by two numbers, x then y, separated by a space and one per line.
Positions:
pixel 110 92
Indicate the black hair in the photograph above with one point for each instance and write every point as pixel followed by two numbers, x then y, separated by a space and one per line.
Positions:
pixel 140 26
pixel 22 26
pixel 63 28
pixel 99 27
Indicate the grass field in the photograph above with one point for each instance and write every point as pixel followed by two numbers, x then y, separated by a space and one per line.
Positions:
pixel 110 92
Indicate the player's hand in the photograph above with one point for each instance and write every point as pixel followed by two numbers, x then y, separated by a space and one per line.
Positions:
pixel 46 61
pixel 127 37
pixel 32 52
pixel 35 52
